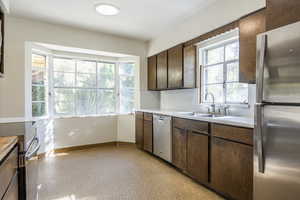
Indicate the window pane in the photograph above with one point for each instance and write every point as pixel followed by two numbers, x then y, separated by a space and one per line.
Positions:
pixel 38 76
pixel 127 69
pixel 38 109
pixel 64 101
pixel 213 74
pixel 237 93
pixel 64 79
pixel 86 101
pixel 106 101
pixel 233 72
pixel 86 67
pixel 215 56
pixel 86 80
pixel 38 93
pixel 217 91
pixel 126 100
pixel 106 75
pixel 232 51
pixel 63 65
pixel 38 61
pixel 126 82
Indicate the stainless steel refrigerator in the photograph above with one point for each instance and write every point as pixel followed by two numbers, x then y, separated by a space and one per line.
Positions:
pixel 277 124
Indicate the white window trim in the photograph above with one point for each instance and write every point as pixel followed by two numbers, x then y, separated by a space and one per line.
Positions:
pixel 31 48
pixel 219 40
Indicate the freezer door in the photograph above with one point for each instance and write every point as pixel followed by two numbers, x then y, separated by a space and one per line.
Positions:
pixel 279 178
pixel 278 65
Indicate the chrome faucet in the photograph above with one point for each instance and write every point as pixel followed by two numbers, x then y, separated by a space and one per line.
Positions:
pixel 213 106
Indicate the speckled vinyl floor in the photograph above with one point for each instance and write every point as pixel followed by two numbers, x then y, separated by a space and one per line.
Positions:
pixel 114 173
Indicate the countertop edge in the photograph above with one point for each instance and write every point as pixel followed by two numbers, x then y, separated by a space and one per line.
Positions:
pixel 211 120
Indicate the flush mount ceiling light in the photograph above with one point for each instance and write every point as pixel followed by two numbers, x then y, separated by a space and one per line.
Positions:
pixel 107 9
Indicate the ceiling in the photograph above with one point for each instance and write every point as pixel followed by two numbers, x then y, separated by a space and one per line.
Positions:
pixel 140 19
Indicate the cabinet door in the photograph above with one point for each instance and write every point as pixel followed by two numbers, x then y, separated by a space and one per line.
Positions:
pixel 249 28
pixel 232 169
pixel 152 73
pixel 148 136
pixel 139 129
pixel 197 156
pixel 179 143
pixel 282 12
pixel 189 66
pixel 12 191
pixel 175 67
pixel 162 70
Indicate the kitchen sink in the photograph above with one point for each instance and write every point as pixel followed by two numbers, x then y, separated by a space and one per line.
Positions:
pixel 195 114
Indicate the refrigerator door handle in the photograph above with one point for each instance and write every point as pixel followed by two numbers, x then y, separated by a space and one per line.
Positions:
pixel 259 137
pixel 260 68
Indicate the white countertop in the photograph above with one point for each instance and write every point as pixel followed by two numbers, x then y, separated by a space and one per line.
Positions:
pixel 227 120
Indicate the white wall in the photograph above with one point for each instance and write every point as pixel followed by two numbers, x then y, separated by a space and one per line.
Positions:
pixel 126 128
pixel 18 31
pixel 216 15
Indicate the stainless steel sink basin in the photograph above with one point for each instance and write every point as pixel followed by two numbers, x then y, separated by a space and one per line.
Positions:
pixel 195 114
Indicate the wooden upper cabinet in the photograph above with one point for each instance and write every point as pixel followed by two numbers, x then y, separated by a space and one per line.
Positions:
pixel 175 67
pixel 249 27
pixel 189 66
pixel 152 72
pixel 162 70
pixel 282 12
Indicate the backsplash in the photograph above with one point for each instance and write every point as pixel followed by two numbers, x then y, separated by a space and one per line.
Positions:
pixel 187 100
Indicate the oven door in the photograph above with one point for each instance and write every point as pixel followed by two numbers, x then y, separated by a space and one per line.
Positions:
pixel 32 167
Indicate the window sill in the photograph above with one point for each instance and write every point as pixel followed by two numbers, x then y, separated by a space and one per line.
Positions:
pixel 233 105
pixel 80 116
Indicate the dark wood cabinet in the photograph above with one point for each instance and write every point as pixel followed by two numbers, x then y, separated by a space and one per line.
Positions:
pixel 148 132
pixel 197 156
pixel 189 66
pixel 162 70
pixel 152 73
pixel 139 129
pixel 175 67
pixel 232 168
pixel 282 12
pixel 249 27
pixel 179 147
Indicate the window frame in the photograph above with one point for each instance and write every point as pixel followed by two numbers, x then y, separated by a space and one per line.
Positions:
pixel 202 60
pixel 50 109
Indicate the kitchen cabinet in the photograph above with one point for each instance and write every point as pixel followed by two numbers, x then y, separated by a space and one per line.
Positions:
pixel 189 66
pixel 148 132
pixel 152 73
pixel 282 12
pixel 175 67
pixel 232 162
pixel 179 143
pixel 139 129
pixel 249 27
pixel 191 148
pixel 162 70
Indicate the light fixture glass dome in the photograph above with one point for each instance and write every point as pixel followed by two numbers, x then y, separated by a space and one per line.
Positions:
pixel 107 9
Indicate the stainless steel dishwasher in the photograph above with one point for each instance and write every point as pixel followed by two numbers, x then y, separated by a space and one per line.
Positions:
pixel 162 137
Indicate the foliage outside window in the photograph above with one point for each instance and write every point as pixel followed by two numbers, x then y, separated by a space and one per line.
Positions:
pixel 85 87
pixel 220 74
pixel 39 85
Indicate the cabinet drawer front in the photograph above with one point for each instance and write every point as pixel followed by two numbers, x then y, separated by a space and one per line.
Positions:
pixel 148 116
pixel 7 170
pixel 196 126
pixel 139 115
pixel 243 135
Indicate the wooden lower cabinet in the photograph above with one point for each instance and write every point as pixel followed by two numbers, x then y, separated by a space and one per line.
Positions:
pixel 148 136
pixel 197 156
pixel 179 148
pixel 232 169
pixel 12 191
pixel 139 130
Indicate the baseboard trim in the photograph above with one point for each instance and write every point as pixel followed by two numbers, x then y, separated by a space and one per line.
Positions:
pixel 84 147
